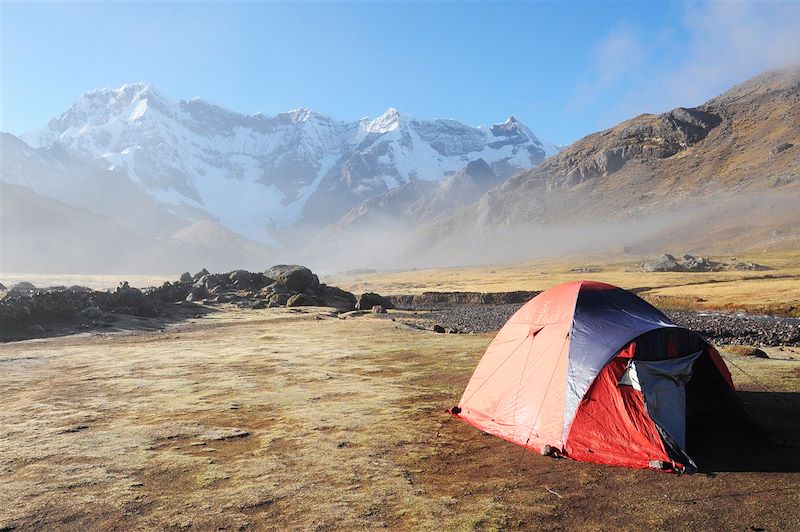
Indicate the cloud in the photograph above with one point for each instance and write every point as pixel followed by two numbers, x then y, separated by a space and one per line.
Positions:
pixel 614 58
pixel 716 46
pixel 730 42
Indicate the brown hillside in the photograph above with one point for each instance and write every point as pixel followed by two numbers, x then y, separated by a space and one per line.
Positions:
pixel 731 165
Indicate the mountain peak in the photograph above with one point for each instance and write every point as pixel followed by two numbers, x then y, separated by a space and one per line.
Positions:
pixel 388 121
pixel 128 92
pixel 301 114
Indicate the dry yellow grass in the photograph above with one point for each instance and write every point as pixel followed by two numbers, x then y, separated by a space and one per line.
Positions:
pixel 94 281
pixel 777 289
pixel 280 419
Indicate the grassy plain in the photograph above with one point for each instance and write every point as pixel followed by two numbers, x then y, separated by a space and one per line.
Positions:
pixel 776 290
pixel 298 419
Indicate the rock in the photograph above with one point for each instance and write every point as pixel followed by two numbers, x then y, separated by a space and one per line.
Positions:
pixel 215 280
pixel 377 309
pixel 78 288
pixel 36 329
pixel 303 300
pixel 337 298
pixel 665 263
pixel 295 278
pixel 2 286
pixel 199 274
pixel 278 299
pixel 698 264
pixel 438 329
pixel 91 313
pixel 757 353
pixel 370 299
pixel 129 300
pixel 780 148
pixel 241 278
pixel 186 277
pixel 690 263
pixel 23 287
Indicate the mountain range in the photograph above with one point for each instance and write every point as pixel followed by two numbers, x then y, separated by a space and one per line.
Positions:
pixel 202 185
pixel 257 174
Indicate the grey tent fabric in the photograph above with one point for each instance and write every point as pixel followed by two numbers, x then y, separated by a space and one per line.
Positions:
pixel 663 383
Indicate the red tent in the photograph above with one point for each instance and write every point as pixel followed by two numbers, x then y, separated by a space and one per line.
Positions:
pixel 592 372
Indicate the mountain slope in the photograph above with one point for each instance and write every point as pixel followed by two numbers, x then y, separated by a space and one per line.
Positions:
pixel 39 234
pixel 422 201
pixel 55 173
pixel 254 172
pixel 666 168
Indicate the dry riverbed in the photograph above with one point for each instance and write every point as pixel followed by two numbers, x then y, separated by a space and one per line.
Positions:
pixel 287 418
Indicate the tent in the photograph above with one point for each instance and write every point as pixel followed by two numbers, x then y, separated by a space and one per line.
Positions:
pixel 591 372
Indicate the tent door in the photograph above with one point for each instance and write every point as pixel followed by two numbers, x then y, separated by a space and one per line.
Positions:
pixel 663 383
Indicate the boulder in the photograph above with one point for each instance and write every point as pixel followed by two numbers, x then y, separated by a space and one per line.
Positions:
pixel 757 353
pixel 303 300
pixel 377 309
pixel 129 300
pixel 2 286
pixel 278 299
pixel 170 292
pixel 186 277
pixel 780 148
pixel 91 313
pixel 295 278
pixel 199 274
pixel 337 298
pixel 698 264
pixel 438 329
pixel 241 278
pixel 23 287
pixel 665 263
pixel 193 296
pixel 370 299
pixel 79 288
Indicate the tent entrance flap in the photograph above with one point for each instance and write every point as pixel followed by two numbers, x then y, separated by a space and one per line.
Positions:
pixel 663 383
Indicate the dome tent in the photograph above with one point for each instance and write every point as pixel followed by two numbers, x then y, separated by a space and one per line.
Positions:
pixel 589 371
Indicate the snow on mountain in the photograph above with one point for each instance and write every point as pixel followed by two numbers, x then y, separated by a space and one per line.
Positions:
pixel 255 172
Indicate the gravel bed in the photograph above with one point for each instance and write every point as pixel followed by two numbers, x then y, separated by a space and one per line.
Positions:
pixel 717 327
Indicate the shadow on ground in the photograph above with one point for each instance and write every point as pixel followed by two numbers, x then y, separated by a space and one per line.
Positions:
pixel 14 330
pixel 773 445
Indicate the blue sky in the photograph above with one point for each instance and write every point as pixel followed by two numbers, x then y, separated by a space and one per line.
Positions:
pixel 565 69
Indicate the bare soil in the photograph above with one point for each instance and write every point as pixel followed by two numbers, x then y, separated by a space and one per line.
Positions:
pixel 284 418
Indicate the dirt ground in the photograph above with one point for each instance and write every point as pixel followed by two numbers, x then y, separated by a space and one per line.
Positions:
pixel 299 419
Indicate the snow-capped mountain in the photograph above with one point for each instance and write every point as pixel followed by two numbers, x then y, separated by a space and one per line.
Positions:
pixel 254 172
